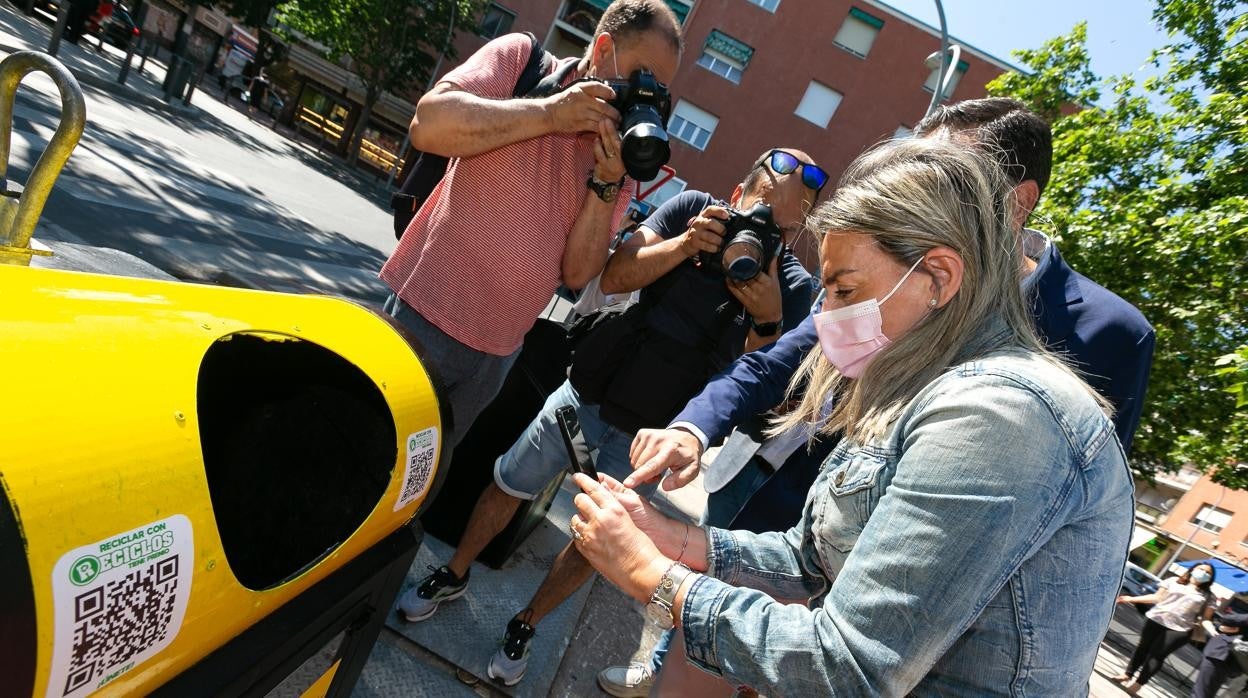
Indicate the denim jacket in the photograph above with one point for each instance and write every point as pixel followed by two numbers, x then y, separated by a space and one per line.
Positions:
pixel 976 549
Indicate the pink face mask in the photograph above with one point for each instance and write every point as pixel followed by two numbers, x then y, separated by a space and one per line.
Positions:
pixel 850 336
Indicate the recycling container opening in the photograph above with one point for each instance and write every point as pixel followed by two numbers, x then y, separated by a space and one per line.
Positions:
pixel 298 447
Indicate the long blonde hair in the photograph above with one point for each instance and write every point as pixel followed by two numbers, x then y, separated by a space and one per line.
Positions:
pixel 911 196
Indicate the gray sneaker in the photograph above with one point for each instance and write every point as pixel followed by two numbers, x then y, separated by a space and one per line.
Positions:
pixel 422 600
pixel 512 659
pixel 632 681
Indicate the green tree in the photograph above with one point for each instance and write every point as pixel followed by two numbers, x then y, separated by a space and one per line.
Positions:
pixel 1149 197
pixel 393 44
pixel 252 13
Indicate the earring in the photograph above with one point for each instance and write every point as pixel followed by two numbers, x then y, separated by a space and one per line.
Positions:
pixel 932 302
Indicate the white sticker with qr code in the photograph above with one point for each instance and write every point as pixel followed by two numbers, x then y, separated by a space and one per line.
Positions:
pixel 422 458
pixel 118 603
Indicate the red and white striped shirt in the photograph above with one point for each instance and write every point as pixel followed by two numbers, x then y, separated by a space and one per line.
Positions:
pixel 482 258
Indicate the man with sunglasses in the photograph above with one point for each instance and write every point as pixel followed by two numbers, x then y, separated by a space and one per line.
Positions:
pixel 690 322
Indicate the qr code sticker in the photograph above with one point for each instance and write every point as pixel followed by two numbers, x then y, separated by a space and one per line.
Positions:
pixel 422 458
pixel 115 622
pixel 119 602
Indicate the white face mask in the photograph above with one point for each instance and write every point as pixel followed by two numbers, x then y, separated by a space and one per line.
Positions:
pixel 1201 576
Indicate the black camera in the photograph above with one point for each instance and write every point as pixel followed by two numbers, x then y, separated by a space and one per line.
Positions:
pixel 751 240
pixel 645 106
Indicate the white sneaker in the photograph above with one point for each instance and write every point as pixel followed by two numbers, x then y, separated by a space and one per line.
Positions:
pixel 512 659
pixel 422 600
pixel 632 681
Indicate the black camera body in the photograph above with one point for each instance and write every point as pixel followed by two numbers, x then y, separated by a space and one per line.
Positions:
pixel 645 106
pixel 751 240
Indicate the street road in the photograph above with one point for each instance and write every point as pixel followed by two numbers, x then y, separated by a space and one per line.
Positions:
pixel 208 195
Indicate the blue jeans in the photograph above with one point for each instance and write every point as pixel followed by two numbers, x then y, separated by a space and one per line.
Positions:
pixel 539 454
pixel 467 379
pixel 722 506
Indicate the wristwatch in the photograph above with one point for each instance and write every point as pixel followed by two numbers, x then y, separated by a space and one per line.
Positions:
pixel 607 191
pixel 663 600
pixel 765 329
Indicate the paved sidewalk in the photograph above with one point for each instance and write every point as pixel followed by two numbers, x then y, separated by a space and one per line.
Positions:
pixel 96 69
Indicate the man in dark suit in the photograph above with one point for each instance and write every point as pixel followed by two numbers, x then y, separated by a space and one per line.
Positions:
pixel 761 485
pixel 1218 662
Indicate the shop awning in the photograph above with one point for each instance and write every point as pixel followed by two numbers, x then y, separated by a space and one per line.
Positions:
pixel 1140 536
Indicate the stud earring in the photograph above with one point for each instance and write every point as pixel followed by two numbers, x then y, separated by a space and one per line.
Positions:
pixel 932 302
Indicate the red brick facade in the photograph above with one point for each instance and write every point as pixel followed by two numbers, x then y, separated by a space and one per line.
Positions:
pixel 791 48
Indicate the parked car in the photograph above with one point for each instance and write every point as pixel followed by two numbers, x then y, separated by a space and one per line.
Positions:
pixel 119 26
pixel 1137 581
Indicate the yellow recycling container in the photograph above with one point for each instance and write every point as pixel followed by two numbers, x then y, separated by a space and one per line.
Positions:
pixel 178 461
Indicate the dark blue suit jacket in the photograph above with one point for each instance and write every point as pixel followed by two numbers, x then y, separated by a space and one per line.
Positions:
pixel 1106 338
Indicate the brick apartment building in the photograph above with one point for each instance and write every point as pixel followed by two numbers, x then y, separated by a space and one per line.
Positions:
pixel 1188 513
pixel 831 77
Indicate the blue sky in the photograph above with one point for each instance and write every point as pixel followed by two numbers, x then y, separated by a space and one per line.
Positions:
pixel 1120 32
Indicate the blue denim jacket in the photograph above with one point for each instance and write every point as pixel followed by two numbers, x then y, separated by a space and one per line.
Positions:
pixel 976 549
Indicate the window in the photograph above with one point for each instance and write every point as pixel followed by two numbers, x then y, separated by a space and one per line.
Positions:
pixel 903 131
pixel 659 196
pixel 769 5
pixel 725 56
pixel 858 32
pixel 692 125
pixel 819 104
pixel 1211 518
pixel 930 85
pixel 497 21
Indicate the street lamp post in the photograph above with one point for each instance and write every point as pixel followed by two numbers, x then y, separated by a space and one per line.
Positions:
pixel 948 62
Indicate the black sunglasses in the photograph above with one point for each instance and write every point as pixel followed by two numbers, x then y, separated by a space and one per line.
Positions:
pixel 784 163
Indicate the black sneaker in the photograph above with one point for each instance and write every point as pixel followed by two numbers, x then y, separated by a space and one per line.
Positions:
pixel 422 600
pixel 512 659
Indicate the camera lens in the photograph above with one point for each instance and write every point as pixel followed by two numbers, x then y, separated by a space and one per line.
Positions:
pixel 743 257
pixel 645 147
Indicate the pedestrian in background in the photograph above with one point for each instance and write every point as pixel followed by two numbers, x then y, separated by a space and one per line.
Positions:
pixel 1179 605
pixel 1218 663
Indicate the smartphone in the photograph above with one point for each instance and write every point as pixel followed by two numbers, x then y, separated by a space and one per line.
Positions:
pixel 578 456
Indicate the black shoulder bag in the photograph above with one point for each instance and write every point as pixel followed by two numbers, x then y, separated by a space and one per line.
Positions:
pixel 602 340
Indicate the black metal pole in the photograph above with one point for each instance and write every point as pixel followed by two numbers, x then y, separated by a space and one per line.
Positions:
pixel 147 49
pixel 190 90
pixel 140 16
pixel 62 19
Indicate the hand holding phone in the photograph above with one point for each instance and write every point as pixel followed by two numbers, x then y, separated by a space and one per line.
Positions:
pixel 578 457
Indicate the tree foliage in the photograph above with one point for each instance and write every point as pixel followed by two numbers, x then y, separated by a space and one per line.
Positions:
pixel 393 44
pixel 1149 197
pixel 252 13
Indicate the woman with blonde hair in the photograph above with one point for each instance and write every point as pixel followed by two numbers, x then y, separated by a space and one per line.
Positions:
pixel 968 534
